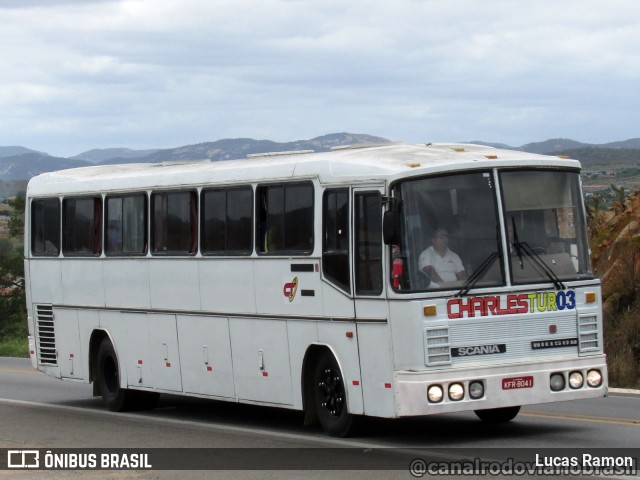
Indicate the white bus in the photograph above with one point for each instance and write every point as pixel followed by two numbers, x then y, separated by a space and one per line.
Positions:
pixel 304 280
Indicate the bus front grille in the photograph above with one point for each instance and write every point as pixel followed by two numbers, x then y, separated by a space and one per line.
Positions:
pixel 588 333
pixel 437 346
pixel 45 335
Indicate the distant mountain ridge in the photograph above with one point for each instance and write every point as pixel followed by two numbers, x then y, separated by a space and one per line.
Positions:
pixel 13 151
pixel 233 148
pixel 554 145
pixel 20 163
pixel 98 155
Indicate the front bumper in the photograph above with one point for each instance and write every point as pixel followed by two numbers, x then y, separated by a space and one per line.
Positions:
pixel 504 386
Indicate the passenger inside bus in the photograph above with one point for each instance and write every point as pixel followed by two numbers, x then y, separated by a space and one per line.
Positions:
pixel 439 263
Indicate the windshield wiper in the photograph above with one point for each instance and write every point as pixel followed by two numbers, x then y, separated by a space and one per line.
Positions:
pixel 523 247
pixel 478 274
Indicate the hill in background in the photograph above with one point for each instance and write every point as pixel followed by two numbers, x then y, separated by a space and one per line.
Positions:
pixel 603 164
pixel 25 163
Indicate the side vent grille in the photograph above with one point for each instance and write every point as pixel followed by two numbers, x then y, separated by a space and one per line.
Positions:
pixel 45 335
pixel 436 346
pixel 588 333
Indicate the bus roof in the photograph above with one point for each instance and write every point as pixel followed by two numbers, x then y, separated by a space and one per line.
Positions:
pixel 353 164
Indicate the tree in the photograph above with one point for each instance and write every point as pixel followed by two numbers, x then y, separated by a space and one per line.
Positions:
pixel 16 220
pixel 12 293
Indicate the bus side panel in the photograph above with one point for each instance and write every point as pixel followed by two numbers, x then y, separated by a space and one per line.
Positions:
pixel 205 355
pixel 226 285
pixel 302 335
pixel 342 339
pixel 336 303
pixel 88 322
pixel 288 287
pixel 45 278
pixel 174 283
pixel 147 349
pixel 164 353
pixel 260 350
pixel 376 366
pixel 127 283
pixel 129 335
pixel 82 282
pixel 68 343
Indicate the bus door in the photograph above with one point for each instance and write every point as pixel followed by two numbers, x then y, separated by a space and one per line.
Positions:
pixel 371 306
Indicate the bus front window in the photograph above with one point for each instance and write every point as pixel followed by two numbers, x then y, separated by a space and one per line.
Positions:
pixel 545 226
pixel 449 231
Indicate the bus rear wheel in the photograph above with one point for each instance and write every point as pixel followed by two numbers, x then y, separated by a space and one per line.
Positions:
pixel 116 398
pixel 330 397
pixel 498 415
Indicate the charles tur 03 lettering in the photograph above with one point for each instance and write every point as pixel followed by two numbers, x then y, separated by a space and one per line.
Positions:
pixel 511 304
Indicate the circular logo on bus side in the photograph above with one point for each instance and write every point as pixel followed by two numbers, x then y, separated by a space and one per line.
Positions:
pixel 290 289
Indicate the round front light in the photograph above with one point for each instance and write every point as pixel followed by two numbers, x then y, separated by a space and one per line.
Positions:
pixel 435 393
pixel 556 382
pixel 476 389
pixel 594 378
pixel 576 380
pixel 456 391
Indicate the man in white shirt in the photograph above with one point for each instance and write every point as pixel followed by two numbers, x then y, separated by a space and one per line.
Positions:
pixel 439 263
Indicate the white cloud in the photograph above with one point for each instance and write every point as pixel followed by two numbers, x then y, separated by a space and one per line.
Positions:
pixel 163 73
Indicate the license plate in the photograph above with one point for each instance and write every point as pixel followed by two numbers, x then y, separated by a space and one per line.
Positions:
pixel 517 382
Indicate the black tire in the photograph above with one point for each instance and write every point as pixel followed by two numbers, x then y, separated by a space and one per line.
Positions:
pixel 498 415
pixel 115 398
pixel 330 398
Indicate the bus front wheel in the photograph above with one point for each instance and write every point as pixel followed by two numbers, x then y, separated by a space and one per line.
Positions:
pixel 330 396
pixel 498 415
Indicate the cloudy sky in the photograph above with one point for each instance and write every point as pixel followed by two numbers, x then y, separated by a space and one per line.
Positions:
pixel 141 74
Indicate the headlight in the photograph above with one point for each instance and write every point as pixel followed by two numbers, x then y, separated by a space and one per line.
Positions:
pixel 476 389
pixel 594 378
pixel 435 393
pixel 576 380
pixel 556 382
pixel 456 392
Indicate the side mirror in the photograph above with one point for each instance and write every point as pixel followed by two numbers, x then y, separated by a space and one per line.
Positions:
pixel 391 227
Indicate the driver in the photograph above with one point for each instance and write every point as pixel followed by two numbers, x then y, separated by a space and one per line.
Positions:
pixel 439 263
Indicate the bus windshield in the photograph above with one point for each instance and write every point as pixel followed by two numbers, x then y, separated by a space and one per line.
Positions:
pixel 449 230
pixel 451 236
pixel 545 225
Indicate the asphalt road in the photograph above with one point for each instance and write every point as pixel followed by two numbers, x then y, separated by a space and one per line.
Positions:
pixel 37 411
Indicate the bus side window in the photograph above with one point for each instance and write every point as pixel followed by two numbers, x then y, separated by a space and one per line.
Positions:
pixel 285 219
pixel 335 240
pixel 227 218
pixel 45 227
pixel 82 220
pixel 126 225
pixel 368 243
pixel 174 224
